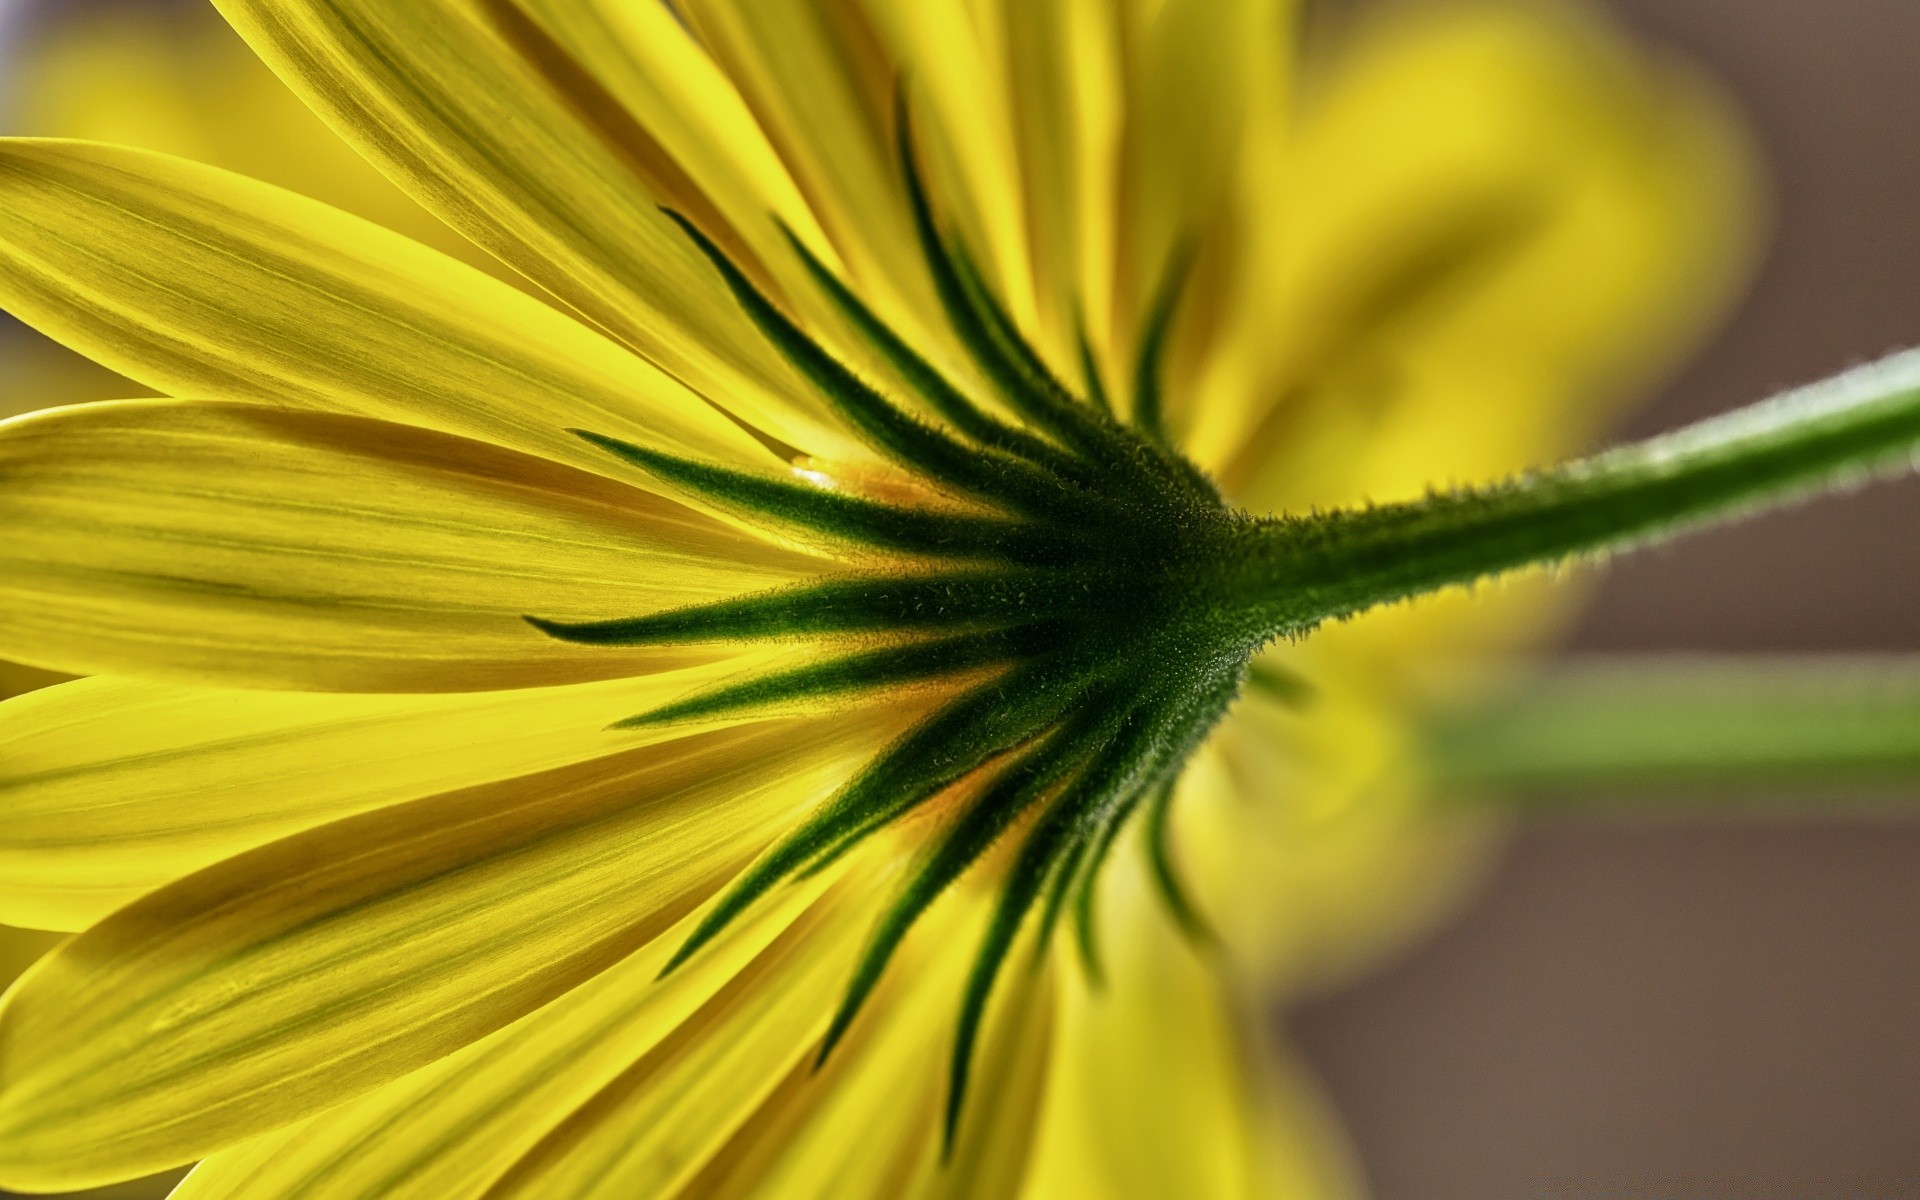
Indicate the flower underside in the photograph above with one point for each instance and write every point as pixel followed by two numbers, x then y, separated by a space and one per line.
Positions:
pixel 1094 602
pixel 1065 590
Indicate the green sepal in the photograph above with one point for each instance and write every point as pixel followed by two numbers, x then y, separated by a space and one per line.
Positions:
pixel 1166 877
pixel 1097 393
pixel 845 518
pixel 973 729
pixel 979 321
pixel 1009 481
pixel 948 400
pixel 859 604
pixel 874 669
pixel 1019 785
pixel 1149 371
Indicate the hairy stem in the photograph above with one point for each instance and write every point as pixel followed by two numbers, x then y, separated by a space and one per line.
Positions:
pixel 1291 573
pixel 1652 726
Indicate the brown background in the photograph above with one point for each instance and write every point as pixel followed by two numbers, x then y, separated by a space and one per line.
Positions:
pixel 1704 1011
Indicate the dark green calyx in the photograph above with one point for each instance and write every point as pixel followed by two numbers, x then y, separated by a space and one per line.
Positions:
pixel 1080 601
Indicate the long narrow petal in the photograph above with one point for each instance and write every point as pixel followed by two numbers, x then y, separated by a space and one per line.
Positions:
pixel 276 548
pixel 1158 1089
pixel 202 283
pixel 1200 72
pixel 692 1121
pixel 450 1130
pixel 715 162
pixel 953 55
pixel 1067 80
pixel 179 80
pixel 821 81
pixel 1482 221
pixel 472 108
pixel 189 776
pixel 878 1081
pixel 298 975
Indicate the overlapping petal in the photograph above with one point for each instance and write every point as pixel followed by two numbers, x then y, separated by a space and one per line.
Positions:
pixel 477 111
pixel 177 79
pixel 267 547
pixel 821 82
pixel 1207 90
pixel 221 288
pixel 1491 216
pixel 190 775
pixel 699 1086
pixel 1159 1085
pixel 451 1129
pixel 1067 79
pixel 300 974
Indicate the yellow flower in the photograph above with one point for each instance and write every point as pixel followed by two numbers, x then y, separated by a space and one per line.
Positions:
pixel 734 715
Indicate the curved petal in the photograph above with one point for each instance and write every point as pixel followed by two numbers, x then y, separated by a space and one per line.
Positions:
pixel 1504 223
pixel 1307 840
pixel 451 1129
pixel 1159 1087
pixel 700 1079
pixel 1205 79
pixel 1067 79
pixel 650 1130
pixel 301 974
pixel 700 1119
pixel 477 112
pixel 177 79
pixel 207 284
pixel 268 547
pixel 953 57
pixel 1492 214
pixel 194 775
pixel 718 165
pixel 820 81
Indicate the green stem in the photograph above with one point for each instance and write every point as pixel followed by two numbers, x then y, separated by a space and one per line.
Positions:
pixel 1653 726
pixel 1290 573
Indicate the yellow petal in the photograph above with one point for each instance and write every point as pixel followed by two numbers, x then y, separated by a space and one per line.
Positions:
pixel 1067 79
pixel 1159 1087
pixel 1494 217
pixel 205 284
pixel 888 1079
pixel 276 548
pixel 193 775
pixel 1308 840
pixel 820 81
pixel 451 1129
pixel 734 1105
pixel 298 975
pixel 653 1128
pixel 19 947
pixel 475 111
pixel 953 55
pixel 1503 223
pixel 1200 72
pixel 714 160
pixel 177 79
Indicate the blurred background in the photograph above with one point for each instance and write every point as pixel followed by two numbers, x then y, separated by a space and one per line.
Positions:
pixel 1703 1009
pixel 1688 1009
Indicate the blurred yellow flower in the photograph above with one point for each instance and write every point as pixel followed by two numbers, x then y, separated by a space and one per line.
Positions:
pixel 880 599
